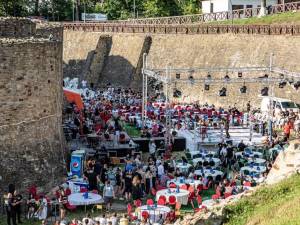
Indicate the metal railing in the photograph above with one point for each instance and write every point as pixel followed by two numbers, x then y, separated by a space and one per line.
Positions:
pixel 208 17
pixel 185 29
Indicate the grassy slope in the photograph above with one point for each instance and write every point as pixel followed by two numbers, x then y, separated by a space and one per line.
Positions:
pixel 275 205
pixel 283 18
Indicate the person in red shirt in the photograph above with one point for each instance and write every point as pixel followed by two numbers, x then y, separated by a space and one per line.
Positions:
pixel 287 129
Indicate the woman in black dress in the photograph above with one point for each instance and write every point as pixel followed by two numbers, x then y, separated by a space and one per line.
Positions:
pixel 128 185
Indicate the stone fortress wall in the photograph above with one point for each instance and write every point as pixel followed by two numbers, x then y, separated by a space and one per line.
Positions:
pixel 31 140
pixel 182 51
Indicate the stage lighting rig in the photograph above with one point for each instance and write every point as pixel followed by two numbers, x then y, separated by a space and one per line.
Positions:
pixel 208 76
pixel 222 92
pixel 226 78
pixel 206 87
pixel 177 93
pixel 282 84
pixel 191 79
pixel 297 85
pixel 265 91
pixel 243 89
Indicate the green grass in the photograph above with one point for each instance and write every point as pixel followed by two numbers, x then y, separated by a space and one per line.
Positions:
pixel 283 18
pixel 274 205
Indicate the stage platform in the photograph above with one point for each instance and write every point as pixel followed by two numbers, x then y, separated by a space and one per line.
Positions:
pixel 194 140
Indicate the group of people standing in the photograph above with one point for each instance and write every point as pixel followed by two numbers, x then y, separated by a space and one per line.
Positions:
pixel 12 202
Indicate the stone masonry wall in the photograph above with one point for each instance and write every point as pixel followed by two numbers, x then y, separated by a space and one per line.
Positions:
pixel 186 51
pixel 16 27
pixel 31 140
pixel 204 51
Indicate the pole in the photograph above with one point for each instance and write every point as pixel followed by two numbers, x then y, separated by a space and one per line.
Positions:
pixel 143 90
pixel 84 11
pixel 133 8
pixel 73 10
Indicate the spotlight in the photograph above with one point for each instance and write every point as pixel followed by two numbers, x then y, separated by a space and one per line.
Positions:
pixel 291 81
pixel 191 79
pixel 297 85
pixel 240 74
pixel 243 89
pixel 206 87
pixel 265 91
pixel 208 76
pixel 176 93
pixel 177 75
pixel 281 76
pixel 222 92
pixel 282 84
pixel 227 78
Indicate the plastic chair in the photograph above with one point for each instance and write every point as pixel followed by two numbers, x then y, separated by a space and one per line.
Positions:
pixel 94 191
pixel 162 200
pixel 227 195
pixel 172 185
pixel 129 212
pixel 172 200
pixel 215 196
pixel 150 202
pixel 145 215
pixel 83 189
pixel 70 207
pixel 247 184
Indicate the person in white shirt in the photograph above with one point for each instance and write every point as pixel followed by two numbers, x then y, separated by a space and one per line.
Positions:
pixel 160 170
pixel 103 220
pixel 114 219
pixel 152 147
pixel 87 221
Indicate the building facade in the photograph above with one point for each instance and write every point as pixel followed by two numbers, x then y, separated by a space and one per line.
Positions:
pixel 212 6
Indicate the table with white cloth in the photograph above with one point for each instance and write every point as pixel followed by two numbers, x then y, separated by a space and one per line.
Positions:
pixel 215 160
pixel 257 161
pixel 183 167
pixel 79 199
pixel 155 211
pixel 208 173
pixel 182 196
pixel 202 153
pixel 180 181
pixel 254 169
pixel 249 154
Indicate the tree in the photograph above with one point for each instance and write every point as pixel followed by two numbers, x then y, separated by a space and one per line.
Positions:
pixel 190 7
pixel 13 8
pixel 157 8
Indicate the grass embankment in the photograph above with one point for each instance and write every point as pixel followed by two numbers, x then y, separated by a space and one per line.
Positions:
pixel 275 205
pixel 283 18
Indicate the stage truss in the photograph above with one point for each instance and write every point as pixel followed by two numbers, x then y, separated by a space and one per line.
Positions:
pixel 166 77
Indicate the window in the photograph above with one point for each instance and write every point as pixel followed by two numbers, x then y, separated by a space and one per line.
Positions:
pixel 211 7
pixel 249 6
pixel 236 7
pixel 288 105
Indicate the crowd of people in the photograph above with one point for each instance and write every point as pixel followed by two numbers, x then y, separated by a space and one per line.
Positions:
pixel 142 175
